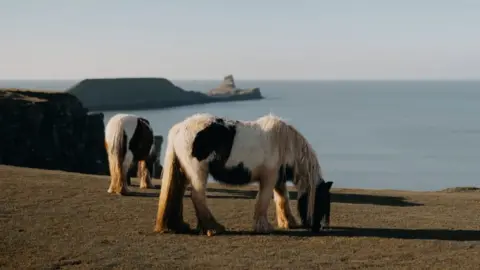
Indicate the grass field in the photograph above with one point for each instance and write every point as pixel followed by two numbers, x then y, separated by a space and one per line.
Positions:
pixel 58 220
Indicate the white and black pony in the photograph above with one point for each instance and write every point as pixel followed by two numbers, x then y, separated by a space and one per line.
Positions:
pixel 128 139
pixel 267 150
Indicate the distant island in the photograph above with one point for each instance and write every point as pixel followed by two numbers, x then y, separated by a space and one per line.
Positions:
pixel 152 93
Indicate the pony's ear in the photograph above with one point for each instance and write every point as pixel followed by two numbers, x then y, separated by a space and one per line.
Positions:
pixel 329 185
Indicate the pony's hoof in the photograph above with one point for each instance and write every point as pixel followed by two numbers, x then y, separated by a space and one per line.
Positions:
pixel 263 226
pixel 150 186
pixel 213 230
pixel 180 229
pixel 287 224
pixel 183 228
pixel 210 233
pixel 124 192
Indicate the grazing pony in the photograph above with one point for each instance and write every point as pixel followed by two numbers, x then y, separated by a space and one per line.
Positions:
pixel 128 138
pixel 266 150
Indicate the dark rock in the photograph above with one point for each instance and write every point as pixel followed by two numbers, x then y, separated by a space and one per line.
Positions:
pixel 50 130
pixel 146 93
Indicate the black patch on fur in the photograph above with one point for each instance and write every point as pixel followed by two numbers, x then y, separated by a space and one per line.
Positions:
pixel 141 141
pixel 218 137
pixel 302 207
pixel 285 173
pixel 123 150
pixel 140 145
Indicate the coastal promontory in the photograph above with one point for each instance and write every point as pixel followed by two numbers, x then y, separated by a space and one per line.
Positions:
pixel 110 94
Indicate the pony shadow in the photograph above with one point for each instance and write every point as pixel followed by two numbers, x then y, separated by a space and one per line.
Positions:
pixel 373 199
pixel 187 195
pixel 239 194
pixel 336 197
pixel 137 186
pixel 391 233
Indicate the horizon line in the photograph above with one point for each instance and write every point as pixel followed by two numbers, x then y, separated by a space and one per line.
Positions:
pixel 246 79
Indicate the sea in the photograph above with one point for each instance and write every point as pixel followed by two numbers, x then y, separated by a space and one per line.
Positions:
pixel 409 135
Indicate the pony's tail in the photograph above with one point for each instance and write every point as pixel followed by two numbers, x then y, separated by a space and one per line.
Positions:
pixel 116 155
pixel 170 202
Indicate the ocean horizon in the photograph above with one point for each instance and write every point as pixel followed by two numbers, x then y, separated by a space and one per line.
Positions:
pixel 376 134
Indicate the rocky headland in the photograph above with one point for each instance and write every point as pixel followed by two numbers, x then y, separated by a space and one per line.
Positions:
pixel 152 93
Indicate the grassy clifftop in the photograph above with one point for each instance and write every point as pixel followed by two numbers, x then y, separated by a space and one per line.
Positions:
pixel 53 219
pixel 142 93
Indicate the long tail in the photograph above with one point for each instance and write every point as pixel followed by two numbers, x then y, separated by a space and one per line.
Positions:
pixel 115 146
pixel 170 202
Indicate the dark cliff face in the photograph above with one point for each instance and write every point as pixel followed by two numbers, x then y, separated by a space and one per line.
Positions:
pixel 50 130
pixel 143 93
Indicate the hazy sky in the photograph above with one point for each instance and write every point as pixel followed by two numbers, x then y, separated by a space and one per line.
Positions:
pixel 262 39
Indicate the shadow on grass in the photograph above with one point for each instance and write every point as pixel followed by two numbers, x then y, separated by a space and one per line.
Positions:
pixel 187 195
pixel 338 198
pixel 137 186
pixel 391 233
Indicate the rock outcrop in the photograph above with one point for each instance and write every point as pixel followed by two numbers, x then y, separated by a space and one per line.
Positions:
pixel 228 89
pixel 50 130
pixel 145 93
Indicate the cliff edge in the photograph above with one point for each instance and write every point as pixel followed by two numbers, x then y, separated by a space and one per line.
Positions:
pixel 50 130
pixel 145 93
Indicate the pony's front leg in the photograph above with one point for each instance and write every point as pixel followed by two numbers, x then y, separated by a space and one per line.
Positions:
pixel 285 218
pixel 206 222
pixel 264 195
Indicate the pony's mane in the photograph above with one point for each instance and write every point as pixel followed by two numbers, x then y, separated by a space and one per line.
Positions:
pixel 293 150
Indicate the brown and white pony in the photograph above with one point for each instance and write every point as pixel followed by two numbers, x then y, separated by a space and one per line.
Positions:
pixel 266 150
pixel 128 138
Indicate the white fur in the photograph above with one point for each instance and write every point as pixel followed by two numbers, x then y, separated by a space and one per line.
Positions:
pixel 250 146
pixel 118 123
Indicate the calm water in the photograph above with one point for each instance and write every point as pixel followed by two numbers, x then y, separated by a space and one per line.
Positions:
pixel 385 135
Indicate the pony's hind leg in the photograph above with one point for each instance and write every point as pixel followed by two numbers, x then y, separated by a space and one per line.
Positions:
pixel 122 180
pixel 206 221
pixel 264 195
pixel 116 172
pixel 170 201
pixel 285 218
pixel 145 178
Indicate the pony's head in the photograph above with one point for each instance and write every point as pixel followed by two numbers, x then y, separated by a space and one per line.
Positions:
pixel 321 212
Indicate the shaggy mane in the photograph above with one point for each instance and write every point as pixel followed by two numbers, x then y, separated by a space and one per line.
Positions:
pixel 294 150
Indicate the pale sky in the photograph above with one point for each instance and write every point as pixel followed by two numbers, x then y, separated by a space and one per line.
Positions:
pixel 263 39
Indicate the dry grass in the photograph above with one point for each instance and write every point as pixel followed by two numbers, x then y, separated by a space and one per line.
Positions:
pixel 53 220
